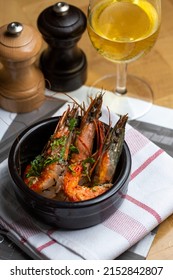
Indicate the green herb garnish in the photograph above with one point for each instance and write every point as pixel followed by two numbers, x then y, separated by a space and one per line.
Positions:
pixel 73 149
pixel 72 124
pixel 36 166
pixel 58 142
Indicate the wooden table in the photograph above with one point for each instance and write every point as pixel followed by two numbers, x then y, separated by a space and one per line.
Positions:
pixel 156 68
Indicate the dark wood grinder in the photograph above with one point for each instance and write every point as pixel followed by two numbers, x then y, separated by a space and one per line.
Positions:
pixel 22 83
pixel 63 63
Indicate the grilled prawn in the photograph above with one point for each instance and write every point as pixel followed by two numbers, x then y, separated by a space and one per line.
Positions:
pixel 103 170
pixel 45 174
pixel 80 162
pixel 108 160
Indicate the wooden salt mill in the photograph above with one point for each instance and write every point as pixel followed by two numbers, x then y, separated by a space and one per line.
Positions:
pixel 22 84
pixel 64 64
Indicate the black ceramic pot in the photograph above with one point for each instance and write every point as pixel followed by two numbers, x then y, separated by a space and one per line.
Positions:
pixel 69 215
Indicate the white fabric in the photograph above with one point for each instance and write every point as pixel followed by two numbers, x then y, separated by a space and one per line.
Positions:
pixel 148 202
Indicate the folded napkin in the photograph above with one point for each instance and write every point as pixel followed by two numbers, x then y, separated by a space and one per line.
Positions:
pixel 147 203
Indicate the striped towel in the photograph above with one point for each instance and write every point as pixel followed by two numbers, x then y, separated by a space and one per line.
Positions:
pixel 147 203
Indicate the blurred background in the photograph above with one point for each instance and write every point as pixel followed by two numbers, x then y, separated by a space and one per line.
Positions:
pixel 156 67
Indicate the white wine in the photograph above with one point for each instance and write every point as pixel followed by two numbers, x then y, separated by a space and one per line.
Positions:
pixel 122 31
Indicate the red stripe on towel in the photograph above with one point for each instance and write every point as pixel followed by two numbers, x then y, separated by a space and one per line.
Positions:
pixel 143 206
pixel 133 175
pixel 25 227
pixel 146 163
pixel 126 226
pixel 136 141
pixel 46 245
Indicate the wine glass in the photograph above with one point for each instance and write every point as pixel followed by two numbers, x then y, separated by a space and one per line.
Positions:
pixel 123 31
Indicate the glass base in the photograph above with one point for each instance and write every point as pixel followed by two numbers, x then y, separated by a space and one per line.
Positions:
pixel 136 102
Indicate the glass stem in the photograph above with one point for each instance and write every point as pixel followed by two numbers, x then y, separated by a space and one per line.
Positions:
pixel 121 79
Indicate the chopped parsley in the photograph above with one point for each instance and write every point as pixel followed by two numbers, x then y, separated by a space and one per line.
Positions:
pixel 72 124
pixel 73 149
pixel 58 142
pixel 41 161
pixel 36 166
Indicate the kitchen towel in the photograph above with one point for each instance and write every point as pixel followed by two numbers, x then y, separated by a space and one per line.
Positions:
pixel 148 201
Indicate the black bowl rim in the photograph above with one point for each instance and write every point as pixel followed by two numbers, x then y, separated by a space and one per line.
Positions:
pixel 55 203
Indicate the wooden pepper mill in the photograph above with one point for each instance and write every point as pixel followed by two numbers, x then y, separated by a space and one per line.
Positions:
pixel 22 84
pixel 64 64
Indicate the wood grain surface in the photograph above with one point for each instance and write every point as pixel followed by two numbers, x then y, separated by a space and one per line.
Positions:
pixel 156 68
